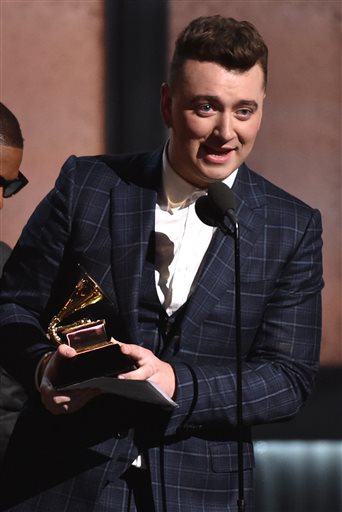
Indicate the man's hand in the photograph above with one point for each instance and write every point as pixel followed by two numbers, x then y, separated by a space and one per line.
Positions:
pixel 55 401
pixel 149 367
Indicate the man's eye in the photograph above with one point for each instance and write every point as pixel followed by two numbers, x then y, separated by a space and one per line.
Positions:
pixel 244 113
pixel 204 108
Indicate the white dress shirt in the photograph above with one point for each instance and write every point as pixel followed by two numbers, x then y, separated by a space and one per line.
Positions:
pixel 182 239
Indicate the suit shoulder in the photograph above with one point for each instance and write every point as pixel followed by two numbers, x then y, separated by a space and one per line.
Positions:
pixel 125 166
pixel 275 195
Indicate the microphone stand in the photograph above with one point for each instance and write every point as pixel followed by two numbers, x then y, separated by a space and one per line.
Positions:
pixel 209 214
pixel 239 400
pixel 235 233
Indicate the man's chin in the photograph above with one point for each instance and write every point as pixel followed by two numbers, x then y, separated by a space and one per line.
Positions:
pixel 218 172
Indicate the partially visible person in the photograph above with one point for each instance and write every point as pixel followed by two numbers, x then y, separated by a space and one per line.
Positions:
pixel 12 395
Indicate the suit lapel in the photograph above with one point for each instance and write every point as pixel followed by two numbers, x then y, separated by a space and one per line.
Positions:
pixel 218 272
pixel 133 218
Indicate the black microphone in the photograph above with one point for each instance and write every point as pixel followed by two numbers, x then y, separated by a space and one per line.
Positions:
pixel 207 211
pixel 212 210
pixel 223 198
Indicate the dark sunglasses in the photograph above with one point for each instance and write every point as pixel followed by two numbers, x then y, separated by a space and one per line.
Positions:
pixel 11 187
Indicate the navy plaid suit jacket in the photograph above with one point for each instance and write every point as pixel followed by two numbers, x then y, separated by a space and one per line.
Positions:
pixel 100 214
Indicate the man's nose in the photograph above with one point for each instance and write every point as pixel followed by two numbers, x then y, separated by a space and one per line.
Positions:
pixel 225 127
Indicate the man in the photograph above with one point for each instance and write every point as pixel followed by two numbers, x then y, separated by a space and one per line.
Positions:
pixel 12 395
pixel 11 154
pixel 130 222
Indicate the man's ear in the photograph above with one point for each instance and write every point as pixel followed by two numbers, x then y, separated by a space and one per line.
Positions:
pixel 165 104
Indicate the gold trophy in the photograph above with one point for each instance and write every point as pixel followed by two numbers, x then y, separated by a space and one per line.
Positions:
pixel 83 334
pixel 96 354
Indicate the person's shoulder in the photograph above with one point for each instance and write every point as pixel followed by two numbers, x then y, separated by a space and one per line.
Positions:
pixel 115 160
pixel 274 195
pixel 120 164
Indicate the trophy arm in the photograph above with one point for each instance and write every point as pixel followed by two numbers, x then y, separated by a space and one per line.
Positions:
pixel 55 329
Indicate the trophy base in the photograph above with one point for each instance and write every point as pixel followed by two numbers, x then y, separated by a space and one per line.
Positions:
pixel 104 361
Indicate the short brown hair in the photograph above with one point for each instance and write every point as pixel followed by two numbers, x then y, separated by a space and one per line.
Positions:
pixel 232 44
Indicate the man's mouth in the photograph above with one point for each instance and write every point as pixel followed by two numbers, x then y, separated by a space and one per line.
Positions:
pixel 216 155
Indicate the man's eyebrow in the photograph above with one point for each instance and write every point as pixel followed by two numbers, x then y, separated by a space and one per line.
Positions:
pixel 247 103
pixel 240 103
pixel 205 97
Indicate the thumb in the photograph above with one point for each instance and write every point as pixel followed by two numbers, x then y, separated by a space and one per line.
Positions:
pixel 65 351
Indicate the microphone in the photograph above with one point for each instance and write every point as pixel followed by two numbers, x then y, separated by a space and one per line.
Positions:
pixel 212 210
pixel 207 211
pixel 223 198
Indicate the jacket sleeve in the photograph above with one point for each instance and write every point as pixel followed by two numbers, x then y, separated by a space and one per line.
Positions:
pixel 29 276
pixel 279 367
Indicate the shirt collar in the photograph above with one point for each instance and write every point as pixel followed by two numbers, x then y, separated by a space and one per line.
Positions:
pixel 176 193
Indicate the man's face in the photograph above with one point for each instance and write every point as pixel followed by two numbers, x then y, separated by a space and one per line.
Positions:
pixel 10 160
pixel 214 116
